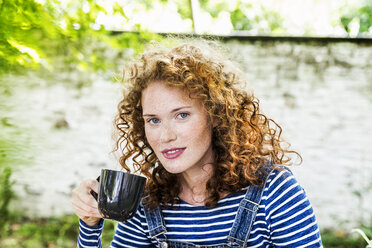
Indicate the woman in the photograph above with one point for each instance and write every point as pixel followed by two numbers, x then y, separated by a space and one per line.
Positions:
pixel 216 166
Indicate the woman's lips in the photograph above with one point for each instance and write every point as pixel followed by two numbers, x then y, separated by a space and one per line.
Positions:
pixel 173 153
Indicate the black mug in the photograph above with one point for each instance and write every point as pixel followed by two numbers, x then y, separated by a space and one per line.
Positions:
pixel 119 194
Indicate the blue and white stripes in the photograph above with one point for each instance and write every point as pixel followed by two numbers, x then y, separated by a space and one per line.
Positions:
pixel 90 236
pixel 285 218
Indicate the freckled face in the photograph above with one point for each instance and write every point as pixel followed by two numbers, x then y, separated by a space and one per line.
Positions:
pixel 177 128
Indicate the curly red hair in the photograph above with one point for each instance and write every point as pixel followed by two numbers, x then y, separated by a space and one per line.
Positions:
pixel 245 141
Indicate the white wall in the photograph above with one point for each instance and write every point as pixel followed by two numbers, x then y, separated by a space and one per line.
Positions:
pixel 321 95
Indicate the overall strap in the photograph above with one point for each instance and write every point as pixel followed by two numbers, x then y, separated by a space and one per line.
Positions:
pixel 245 216
pixel 155 221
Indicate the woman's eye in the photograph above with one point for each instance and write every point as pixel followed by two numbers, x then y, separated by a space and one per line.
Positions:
pixel 183 115
pixel 153 121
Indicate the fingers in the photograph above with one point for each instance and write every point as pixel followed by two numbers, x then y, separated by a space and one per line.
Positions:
pixel 82 192
pixel 84 211
pixel 89 216
pixel 83 202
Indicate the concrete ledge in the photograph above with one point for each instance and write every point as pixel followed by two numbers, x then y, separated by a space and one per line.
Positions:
pixel 243 36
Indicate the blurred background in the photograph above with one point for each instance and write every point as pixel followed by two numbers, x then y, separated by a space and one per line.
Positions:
pixel 309 62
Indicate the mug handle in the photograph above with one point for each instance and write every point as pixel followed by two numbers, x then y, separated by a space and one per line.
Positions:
pixel 94 194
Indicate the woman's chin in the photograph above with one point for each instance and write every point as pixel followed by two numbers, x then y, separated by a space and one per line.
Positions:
pixel 173 170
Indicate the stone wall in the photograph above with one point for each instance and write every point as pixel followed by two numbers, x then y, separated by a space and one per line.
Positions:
pixel 321 95
pixel 319 92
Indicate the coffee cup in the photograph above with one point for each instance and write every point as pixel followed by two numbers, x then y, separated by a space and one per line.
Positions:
pixel 119 194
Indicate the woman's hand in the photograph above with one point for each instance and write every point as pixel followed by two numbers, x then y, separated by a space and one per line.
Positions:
pixel 84 204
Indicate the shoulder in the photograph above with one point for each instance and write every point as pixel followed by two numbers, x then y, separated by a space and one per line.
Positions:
pixel 280 177
pixel 288 212
pixel 283 197
pixel 281 188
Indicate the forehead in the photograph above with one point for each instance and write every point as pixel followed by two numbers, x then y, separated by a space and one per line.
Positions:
pixel 159 96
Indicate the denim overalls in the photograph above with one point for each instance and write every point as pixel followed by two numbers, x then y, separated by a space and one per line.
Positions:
pixel 238 235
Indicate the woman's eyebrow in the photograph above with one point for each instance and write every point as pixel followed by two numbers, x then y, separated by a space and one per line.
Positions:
pixel 173 110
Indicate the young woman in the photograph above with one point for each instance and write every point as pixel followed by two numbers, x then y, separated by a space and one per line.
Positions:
pixel 215 164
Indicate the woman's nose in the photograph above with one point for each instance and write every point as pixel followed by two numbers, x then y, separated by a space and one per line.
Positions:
pixel 167 133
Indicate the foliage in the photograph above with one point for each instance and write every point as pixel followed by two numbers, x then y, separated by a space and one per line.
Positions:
pixel 9 156
pixel 360 17
pixel 215 7
pixel 369 242
pixel 6 195
pixel 243 15
pixel 33 35
pixel 24 23
pixel 52 232
pixel 246 16
pixel 184 9
pixel 335 238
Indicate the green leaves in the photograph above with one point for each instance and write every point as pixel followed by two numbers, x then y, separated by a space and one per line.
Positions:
pixel 247 16
pixel 24 25
pixel 369 242
pixel 358 21
pixel 6 195
pixel 365 17
pixel 33 35
pixel 239 20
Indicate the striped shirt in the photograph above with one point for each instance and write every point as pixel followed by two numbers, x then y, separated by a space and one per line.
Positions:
pixel 285 218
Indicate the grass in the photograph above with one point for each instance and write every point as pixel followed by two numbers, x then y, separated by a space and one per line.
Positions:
pixel 335 238
pixel 53 232
pixel 362 233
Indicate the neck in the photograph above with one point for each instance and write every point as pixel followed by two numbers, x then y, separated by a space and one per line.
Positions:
pixel 193 184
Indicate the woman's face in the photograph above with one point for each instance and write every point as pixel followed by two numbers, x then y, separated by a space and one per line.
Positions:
pixel 177 128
